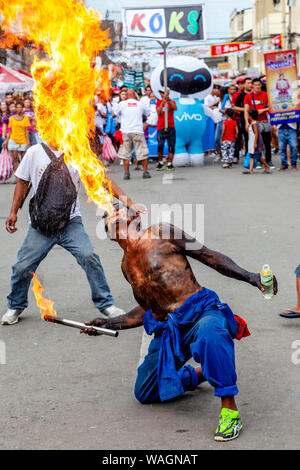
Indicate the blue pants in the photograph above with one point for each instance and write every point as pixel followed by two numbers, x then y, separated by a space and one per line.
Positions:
pixel 210 343
pixel 288 137
pixel 36 247
pixel 218 134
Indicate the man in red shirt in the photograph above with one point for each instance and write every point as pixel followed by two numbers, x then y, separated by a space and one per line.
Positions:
pixel 163 133
pixel 258 100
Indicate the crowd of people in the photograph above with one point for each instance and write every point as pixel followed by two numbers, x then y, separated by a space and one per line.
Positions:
pixel 17 125
pixel 243 128
pixel 126 119
pixel 240 113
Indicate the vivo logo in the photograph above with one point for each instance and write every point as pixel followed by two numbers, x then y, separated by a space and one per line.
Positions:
pixel 189 117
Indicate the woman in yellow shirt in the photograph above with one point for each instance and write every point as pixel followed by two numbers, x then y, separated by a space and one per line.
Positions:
pixel 17 140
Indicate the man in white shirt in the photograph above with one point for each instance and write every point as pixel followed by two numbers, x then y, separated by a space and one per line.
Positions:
pixel 72 237
pixel 212 100
pixel 146 98
pixel 131 113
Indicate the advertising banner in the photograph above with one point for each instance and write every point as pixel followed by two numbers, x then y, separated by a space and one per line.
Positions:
pixel 229 48
pixel 133 79
pixel 164 23
pixel 282 86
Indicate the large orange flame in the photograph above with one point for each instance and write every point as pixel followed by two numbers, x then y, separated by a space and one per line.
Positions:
pixel 45 305
pixel 104 85
pixel 65 81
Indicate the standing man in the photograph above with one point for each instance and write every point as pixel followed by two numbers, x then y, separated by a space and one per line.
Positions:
pixel 146 98
pixel 163 134
pixel 245 87
pixel 211 101
pixel 130 113
pixel 72 237
pixel 258 99
pixel 213 98
pixel 287 136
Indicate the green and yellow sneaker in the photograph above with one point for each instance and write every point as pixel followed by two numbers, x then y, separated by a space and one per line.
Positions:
pixel 229 426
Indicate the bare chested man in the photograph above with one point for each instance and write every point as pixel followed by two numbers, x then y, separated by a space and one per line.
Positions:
pixel 188 320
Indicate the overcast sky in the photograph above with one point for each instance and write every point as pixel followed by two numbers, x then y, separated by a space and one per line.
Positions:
pixel 217 12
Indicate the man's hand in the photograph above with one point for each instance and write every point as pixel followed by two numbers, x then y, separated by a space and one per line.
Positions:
pixel 255 281
pixel 139 208
pixel 10 223
pixel 132 319
pixel 100 322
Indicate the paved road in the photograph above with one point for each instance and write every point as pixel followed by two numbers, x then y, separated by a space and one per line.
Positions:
pixel 62 390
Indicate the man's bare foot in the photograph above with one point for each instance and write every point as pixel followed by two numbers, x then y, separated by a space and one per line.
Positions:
pixel 200 375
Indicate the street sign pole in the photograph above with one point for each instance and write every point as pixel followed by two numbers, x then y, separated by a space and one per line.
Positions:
pixel 164 46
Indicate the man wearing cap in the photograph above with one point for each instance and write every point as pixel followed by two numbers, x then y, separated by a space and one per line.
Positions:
pixel 115 96
pixel 165 133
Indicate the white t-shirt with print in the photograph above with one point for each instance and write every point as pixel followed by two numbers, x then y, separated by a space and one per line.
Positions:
pixel 33 165
pixel 130 113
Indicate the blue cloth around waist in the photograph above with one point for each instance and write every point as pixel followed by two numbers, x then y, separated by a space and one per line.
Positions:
pixel 182 318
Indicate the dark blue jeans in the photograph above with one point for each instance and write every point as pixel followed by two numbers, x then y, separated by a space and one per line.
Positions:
pixel 36 247
pixel 210 343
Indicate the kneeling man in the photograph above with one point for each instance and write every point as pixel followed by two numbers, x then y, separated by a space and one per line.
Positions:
pixel 187 319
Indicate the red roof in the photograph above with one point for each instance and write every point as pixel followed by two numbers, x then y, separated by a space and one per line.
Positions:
pixel 12 80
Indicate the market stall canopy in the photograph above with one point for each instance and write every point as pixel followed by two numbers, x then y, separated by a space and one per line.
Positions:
pixel 11 80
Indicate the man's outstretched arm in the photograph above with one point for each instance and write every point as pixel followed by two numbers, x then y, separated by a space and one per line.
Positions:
pixel 132 319
pixel 189 246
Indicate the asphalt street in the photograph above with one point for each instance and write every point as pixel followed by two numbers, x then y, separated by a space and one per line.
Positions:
pixel 63 390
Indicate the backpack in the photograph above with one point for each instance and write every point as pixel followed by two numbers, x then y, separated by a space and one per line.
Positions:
pixel 51 206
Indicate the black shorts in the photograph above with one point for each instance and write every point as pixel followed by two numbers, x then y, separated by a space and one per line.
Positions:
pixel 170 136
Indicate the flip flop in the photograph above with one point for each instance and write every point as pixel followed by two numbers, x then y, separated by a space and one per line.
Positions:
pixel 247 173
pixel 293 314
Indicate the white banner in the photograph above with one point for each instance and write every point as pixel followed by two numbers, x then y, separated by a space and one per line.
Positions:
pixel 183 23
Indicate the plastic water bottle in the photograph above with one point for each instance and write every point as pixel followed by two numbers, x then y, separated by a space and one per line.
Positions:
pixel 266 279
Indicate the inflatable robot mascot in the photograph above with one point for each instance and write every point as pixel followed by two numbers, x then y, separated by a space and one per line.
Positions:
pixel 190 81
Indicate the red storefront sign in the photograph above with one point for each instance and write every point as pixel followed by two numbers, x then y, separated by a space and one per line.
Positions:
pixel 229 48
pixel 278 40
